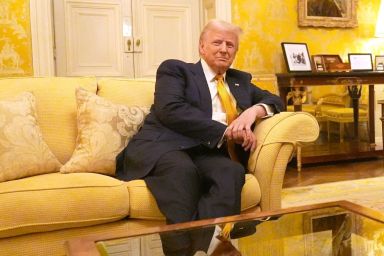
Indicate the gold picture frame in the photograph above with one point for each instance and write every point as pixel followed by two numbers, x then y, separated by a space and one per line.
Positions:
pixel 318 63
pixel 327 13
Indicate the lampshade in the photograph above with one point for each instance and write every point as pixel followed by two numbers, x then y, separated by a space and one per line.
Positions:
pixel 380 21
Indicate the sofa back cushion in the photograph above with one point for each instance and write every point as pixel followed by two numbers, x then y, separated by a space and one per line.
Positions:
pixel 130 92
pixel 55 107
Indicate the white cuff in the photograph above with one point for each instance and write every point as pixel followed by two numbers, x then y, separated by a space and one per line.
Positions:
pixel 267 108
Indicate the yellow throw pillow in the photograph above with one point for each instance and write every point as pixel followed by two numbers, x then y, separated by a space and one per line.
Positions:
pixel 23 151
pixel 104 129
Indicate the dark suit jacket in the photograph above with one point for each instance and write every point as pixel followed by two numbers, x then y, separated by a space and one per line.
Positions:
pixel 181 116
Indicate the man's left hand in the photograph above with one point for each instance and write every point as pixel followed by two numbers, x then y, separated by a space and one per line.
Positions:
pixel 240 129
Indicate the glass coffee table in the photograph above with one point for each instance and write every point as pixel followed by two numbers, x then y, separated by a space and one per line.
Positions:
pixel 335 228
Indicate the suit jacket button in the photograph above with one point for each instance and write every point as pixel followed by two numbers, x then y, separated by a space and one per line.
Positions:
pixel 208 143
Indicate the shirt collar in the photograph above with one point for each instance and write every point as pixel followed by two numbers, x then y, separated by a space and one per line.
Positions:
pixel 208 72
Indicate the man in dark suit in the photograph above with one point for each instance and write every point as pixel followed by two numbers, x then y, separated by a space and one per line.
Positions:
pixel 181 150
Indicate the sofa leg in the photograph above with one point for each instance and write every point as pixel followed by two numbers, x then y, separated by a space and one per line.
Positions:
pixel 298 158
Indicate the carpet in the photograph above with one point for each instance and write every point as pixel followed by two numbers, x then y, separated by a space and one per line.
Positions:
pixel 367 192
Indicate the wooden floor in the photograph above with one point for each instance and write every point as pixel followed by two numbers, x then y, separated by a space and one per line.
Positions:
pixel 337 171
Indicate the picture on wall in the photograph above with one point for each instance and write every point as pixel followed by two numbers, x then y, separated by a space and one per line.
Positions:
pixel 327 13
pixel 296 57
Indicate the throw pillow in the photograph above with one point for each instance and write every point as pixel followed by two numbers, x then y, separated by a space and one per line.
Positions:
pixel 104 129
pixel 23 151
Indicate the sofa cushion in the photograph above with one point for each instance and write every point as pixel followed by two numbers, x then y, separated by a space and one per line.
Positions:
pixel 56 201
pixel 143 204
pixel 55 106
pixel 23 151
pixel 104 129
pixel 138 92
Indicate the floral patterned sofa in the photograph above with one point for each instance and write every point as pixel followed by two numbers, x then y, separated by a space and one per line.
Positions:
pixel 58 141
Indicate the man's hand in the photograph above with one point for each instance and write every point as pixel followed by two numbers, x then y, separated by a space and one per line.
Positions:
pixel 240 129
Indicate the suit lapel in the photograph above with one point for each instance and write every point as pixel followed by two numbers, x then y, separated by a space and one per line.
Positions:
pixel 238 90
pixel 205 95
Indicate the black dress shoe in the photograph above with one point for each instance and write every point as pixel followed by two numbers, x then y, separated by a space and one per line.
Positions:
pixel 247 228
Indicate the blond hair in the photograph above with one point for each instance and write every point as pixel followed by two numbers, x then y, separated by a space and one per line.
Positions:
pixel 220 24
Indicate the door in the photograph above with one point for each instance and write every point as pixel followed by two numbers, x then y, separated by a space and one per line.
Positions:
pixel 123 37
pixel 163 30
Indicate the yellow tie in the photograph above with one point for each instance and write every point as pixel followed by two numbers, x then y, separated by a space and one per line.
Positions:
pixel 230 110
pixel 226 101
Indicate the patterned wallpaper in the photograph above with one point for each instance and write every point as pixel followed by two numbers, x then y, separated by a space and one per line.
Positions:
pixel 268 23
pixel 15 38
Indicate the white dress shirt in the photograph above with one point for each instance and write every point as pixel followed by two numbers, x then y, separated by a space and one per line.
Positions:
pixel 218 112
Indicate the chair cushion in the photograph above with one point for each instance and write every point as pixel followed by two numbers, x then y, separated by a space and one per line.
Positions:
pixel 56 201
pixel 104 129
pixel 143 204
pixel 344 113
pixel 23 151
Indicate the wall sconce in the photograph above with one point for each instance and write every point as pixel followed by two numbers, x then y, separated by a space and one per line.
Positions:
pixel 380 21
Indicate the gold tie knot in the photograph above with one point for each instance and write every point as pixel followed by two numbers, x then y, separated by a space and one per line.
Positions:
pixel 219 78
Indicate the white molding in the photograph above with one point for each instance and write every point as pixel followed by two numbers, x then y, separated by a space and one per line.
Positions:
pixel 223 10
pixel 42 37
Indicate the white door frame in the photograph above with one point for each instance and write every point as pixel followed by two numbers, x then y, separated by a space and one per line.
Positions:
pixel 42 37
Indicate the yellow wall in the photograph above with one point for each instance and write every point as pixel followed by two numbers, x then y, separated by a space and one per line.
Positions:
pixel 268 23
pixel 15 38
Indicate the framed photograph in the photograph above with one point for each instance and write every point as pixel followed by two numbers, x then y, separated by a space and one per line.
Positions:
pixel 332 228
pixel 379 62
pixel 327 13
pixel 360 61
pixel 334 63
pixel 296 57
pixel 318 63
pixel 332 58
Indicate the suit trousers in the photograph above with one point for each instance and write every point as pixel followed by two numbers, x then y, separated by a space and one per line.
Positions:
pixel 198 183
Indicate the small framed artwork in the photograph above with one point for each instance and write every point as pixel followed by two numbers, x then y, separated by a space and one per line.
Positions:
pixel 296 57
pixel 331 59
pixel 318 63
pixel 379 62
pixel 333 62
pixel 360 61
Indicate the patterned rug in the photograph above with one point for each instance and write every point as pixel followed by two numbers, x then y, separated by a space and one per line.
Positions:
pixel 367 192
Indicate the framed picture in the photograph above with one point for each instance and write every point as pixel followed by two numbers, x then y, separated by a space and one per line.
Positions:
pixel 379 62
pixel 296 57
pixel 332 228
pixel 334 63
pixel 332 58
pixel 318 63
pixel 327 13
pixel 360 61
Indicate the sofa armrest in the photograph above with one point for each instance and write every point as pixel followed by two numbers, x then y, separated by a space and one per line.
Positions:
pixel 277 138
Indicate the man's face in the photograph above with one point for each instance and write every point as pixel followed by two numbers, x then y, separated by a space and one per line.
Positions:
pixel 218 48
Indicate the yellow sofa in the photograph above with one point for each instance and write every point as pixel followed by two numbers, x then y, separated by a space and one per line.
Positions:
pixel 39 212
